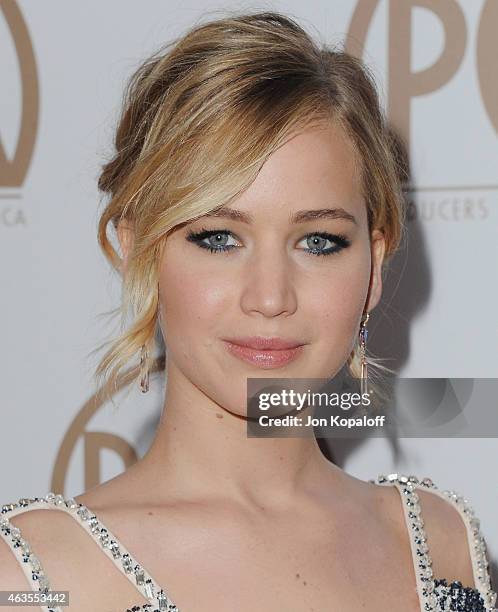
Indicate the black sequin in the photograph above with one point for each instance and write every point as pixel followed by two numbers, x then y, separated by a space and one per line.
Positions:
pixel 457 598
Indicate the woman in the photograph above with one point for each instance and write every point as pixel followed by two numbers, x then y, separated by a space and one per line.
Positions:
pixel 256 198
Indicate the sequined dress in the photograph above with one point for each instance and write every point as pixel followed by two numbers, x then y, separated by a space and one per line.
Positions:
pixel 434 593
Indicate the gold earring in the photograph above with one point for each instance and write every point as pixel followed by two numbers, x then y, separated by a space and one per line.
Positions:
pixel 144 370
pixel 363 348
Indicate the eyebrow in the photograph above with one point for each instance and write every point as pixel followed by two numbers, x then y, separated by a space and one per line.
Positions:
pixel 299 217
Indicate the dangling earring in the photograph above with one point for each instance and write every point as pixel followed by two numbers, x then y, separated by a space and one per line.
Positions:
pixel 363 347
pixel 144 371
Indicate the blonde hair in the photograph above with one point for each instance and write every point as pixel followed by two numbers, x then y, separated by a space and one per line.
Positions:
pixel 198 122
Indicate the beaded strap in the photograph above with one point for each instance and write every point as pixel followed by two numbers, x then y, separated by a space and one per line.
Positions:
pixel 21 548
pixel 477 545
pixel 431 590
pixel 110 545
pixel 428 587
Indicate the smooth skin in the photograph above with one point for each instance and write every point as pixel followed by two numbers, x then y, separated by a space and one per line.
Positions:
pixel 225 522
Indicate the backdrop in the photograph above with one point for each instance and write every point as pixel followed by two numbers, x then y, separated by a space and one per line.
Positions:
pixel 63 68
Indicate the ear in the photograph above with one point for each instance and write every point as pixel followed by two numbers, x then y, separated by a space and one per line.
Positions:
pixel 126 235
pixel 378 247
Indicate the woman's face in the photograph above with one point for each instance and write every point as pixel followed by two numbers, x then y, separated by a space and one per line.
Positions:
pixel 278 270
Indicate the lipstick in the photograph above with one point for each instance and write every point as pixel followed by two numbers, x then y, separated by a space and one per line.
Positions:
pixel 264 352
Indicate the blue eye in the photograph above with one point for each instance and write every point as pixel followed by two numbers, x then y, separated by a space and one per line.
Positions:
pixel 217 241
pixel 217 245
pixel 317 241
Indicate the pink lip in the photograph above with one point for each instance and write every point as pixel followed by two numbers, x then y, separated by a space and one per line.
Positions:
pixel 270 344
pixel 264 352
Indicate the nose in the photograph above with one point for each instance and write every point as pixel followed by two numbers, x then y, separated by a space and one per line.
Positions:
pixel 268 284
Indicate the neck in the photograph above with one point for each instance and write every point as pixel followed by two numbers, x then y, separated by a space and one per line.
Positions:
pixel 201 451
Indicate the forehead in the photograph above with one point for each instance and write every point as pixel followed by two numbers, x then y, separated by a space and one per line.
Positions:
pixel 315 168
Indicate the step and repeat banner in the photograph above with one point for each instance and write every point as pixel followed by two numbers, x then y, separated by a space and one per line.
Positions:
pixel 63 68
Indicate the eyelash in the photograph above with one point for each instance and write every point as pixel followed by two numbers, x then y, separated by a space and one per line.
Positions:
pixel 198 237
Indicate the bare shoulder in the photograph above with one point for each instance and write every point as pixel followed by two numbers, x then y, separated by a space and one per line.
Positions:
pixel 52 536
pixel 66 555
pixel 30 540
pixel 455 542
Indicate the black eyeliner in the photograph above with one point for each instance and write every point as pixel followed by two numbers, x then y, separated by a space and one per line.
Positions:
pixel 204 233
pixel 196 237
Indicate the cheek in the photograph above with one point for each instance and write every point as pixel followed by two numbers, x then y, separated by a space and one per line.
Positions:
pixel 190 303
pixel 336 302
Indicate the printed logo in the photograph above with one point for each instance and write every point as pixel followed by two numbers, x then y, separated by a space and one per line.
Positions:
pixel 95 442
pixel 13 170
pixel 405 84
